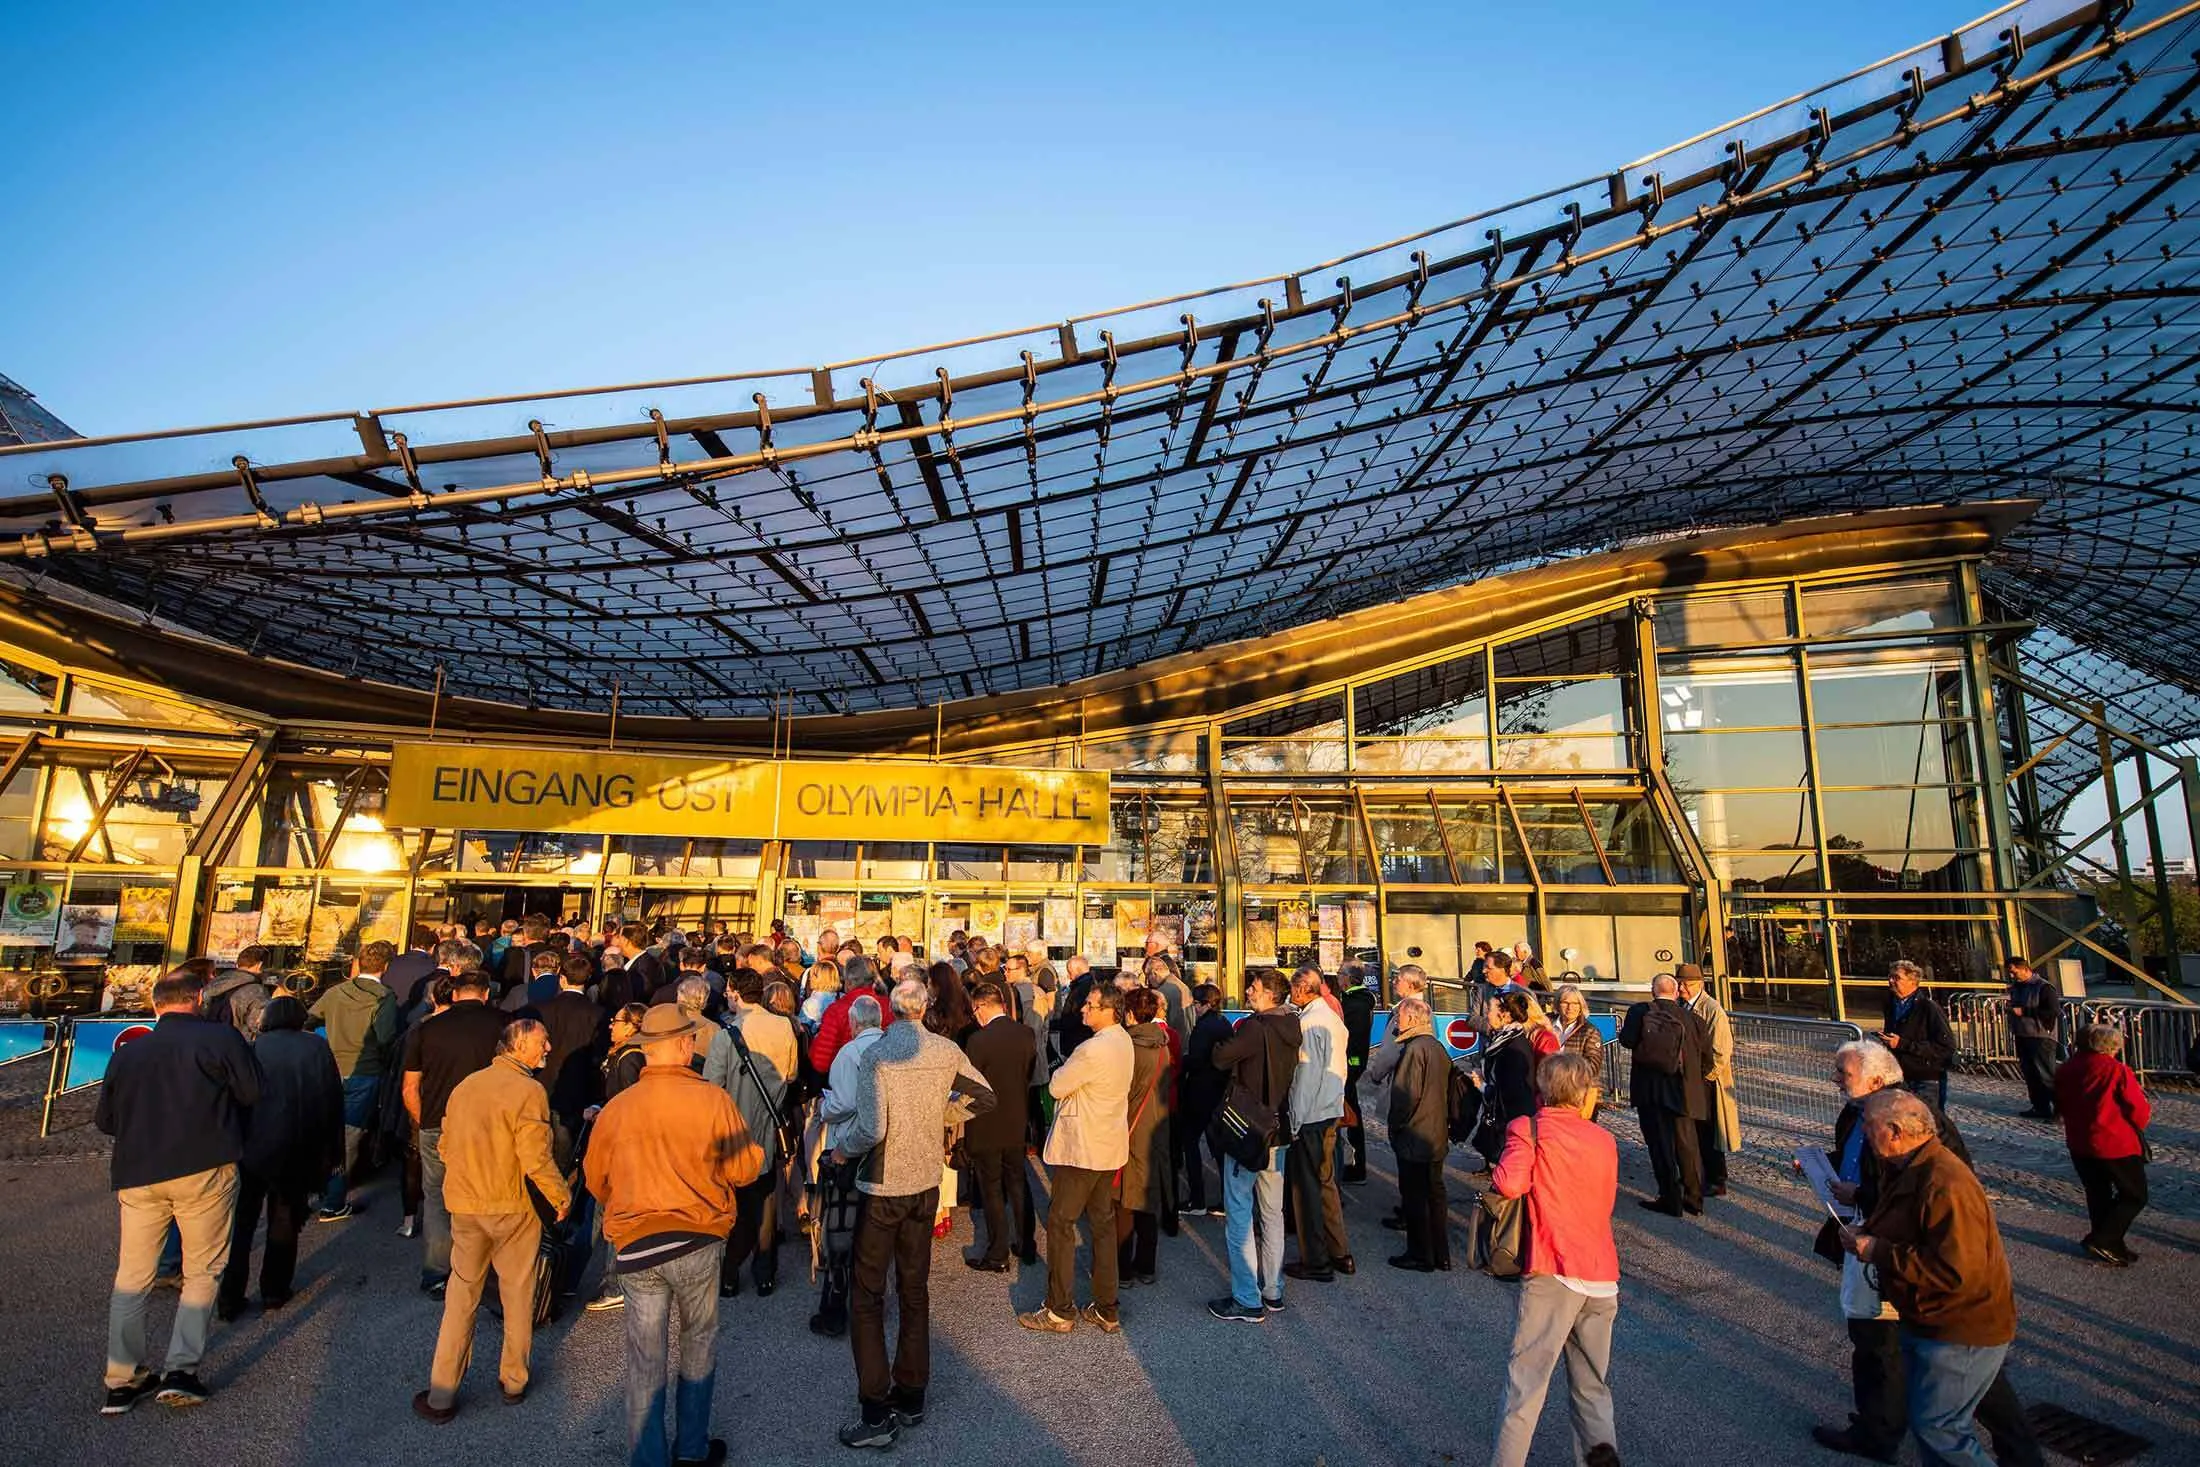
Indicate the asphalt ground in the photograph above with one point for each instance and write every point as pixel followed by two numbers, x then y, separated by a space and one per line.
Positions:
pixel 1728 1346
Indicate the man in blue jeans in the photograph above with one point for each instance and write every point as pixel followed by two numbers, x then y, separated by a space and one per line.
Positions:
pixel 1259 1058
pixel 664 1160
pixel 439 1053
pixel 360 1018
pixel 1934 1241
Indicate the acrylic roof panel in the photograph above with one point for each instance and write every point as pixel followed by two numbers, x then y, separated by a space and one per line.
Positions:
pixel 1972 271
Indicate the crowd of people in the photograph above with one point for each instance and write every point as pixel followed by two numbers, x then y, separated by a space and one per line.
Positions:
pixel 646 1120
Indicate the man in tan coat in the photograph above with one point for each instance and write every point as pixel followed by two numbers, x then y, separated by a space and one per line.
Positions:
pixel 1090 1142
pixel 495 1140
pixel 1720 1136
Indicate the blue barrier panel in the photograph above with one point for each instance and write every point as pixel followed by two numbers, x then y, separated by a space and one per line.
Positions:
pixel 1458 1035
pixel 23 1038
pixel 93 1043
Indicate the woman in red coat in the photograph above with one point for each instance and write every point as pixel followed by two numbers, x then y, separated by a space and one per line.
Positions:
pixel 2104 1115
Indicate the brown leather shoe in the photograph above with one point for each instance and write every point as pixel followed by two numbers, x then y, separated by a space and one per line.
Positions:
pixel 439 1415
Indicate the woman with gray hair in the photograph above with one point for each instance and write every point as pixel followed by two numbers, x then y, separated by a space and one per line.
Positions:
pixel 2105 1116
pixel 1567 1166
pixel 1576 1035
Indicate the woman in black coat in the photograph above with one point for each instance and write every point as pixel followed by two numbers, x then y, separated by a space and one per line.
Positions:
pixel 1200 1095
pixel 1508 1072
pixel 294 1138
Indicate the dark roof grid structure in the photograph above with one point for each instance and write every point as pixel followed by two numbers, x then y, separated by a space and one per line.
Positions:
pixel 1970 272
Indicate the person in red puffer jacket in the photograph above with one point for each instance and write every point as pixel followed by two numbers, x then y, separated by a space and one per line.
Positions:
pixel 2105 1115
pixel 832 1029
pixel 1567 1166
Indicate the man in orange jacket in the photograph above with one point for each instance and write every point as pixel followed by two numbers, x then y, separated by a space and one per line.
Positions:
pixel 663 1160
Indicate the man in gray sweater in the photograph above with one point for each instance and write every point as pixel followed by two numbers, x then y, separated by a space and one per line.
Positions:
pixel 910 1083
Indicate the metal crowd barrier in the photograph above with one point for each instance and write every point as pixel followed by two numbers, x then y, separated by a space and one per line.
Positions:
pixel 1783 1070
pixel 2158 1036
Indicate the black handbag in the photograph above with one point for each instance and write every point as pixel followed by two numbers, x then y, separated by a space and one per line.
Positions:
pixel 1248 1130
pixel 1498 1242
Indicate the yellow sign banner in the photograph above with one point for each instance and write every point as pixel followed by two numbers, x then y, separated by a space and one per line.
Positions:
pixel 468 787
pixel 881 801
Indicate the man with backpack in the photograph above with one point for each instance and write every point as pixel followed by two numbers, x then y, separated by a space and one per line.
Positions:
pixel 1252 1135
pixel 360 1019
pixel 237 995
pixel 1666 1085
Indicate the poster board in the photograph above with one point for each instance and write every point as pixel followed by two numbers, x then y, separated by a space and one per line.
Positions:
pixel 285 912
pixel 143 914
pixel 1294 923
pixel 87 930
pixel 30 913
pixel 230 933
pixel 1359 923
pixel 1099 945
pixel 1019 931
pixel 1260 942
pixel 1060 924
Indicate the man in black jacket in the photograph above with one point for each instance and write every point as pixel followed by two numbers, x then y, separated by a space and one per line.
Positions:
pixel 1070 1012
pixel 573 1073
pixel 293 1136
pixel 1672 1051
pixel 1918 1033
pixel 440 1052
pixel 645 971
pixel 2035 1019
pixel 175 1101
pixel 1359 1028
pixel 1259 1059
pixel 1004 1052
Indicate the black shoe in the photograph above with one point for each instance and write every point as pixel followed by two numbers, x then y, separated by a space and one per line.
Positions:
pixel 1344 1264
pixel 1411 1264
pixel 1845 1439
pixel 181 1388
pixel 1227 1307
pixel 764 1287
pixel 828 1328
pixel 433 1286
pixel 1603 1454
pixel 2109 1256
pixel 229 1311
pixel 908 1406
pixel 2123 1251
pixel 985 1265
pixel 1143 1280
pixel 1654 1204
pixel 274 1301
pixel 880 1434
pixel 713 1456
pixel 1395 1224
pixel 436 1415
pixel 730 1288
pixel 1716 1189
pixel 1028 1257
pixel 1273 1306
pixel 121 1398
pixel 2037 1115
pixel 1301 1271
pixel 514 1398
pixel 1354 1179
pixel 1693 1209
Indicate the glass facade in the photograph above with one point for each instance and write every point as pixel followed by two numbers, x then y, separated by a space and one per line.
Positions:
pixel 1785 780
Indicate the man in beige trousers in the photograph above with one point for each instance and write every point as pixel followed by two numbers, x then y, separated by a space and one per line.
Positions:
pixel 496 1139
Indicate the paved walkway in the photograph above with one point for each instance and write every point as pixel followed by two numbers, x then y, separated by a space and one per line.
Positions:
pixel 1728 1343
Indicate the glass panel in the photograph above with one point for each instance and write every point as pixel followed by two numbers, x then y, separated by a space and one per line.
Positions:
pixel 1917 753
pixel 1956 952
pixel 1861 687
pixel 530 853
pixel 1736 760
pixel 1598 706
pixel 1404 756
pixel 1767 870
pixel 1482 843
pixel 830 859
pixel 1562 755
pixel 1634 842
pixel 1269 846
pixel 1407 846
pixel 1751 821
pixel 17 802
pixel 1729 694
pixel 24 690
pixel 1605 645
pixel 1153 841
pixel 672 855
pixel 1912 606
pixel 90 700
pixel 686 909
pixel 1696 621
pixel 366 846
pixel 887 860
pixel 1335 847
pixel 1164 751
pixel 967 862
pixel 1303 737
pixel 1448 699
pixel 150 824
pixel 1770 947
pixel 1898 820
pixel 1042 863
pixel 1560 843
pixel 1904 870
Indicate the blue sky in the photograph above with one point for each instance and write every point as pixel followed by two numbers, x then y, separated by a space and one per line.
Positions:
pixel 224 212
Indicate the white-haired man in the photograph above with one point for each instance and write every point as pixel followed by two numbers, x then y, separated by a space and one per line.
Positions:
pixel 907 1086
pixel 836 1193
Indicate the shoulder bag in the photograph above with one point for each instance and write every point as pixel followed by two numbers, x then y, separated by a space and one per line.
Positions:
pixel 1245 1129
pixel 790 1134
pixel 1498 1243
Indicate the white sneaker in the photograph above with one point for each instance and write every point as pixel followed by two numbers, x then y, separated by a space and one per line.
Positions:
pixel 408 1228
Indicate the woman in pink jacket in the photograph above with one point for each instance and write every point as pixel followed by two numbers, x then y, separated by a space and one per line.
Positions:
pixel 1565 1164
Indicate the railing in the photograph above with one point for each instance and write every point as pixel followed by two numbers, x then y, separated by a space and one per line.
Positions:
pixel 2158 1037
pixel 1783 1070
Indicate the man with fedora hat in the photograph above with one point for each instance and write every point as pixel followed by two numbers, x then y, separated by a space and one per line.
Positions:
pixel 1720 1134
pixel 664 1160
